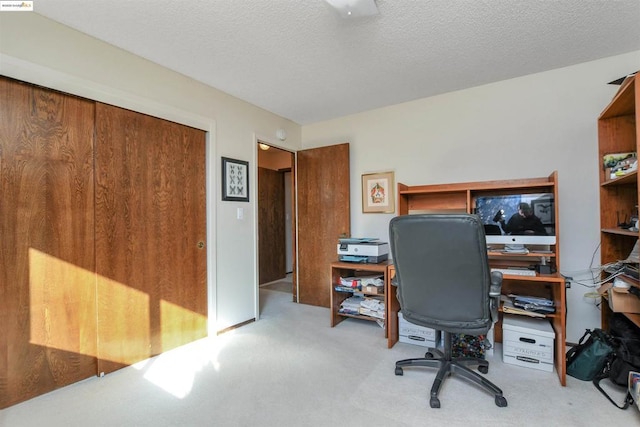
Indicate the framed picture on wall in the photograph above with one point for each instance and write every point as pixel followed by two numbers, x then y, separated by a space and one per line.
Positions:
pixel 377 193
pixel 235 180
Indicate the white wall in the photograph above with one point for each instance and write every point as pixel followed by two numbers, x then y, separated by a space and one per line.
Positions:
pixel 37 50
pixel 519 128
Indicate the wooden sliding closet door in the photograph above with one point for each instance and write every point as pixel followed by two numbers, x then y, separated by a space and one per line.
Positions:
pixel 150 236
pixel 47 280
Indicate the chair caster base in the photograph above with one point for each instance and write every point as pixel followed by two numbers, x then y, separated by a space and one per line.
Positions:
pixel 501 401
pixel 483 369
pixel 434 402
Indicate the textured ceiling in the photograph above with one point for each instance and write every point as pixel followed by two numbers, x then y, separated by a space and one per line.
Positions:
pixel 298 59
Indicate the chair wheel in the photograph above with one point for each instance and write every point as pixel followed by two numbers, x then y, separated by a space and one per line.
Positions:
pixel 434 402
pixel 429 355
pixel 483 369
pixel 501 401
pixel 398 370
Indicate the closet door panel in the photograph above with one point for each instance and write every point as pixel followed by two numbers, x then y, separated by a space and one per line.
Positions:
pixel 47 280
pixel 150 236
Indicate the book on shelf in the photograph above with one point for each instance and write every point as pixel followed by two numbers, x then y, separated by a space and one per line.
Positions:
pixel 363 306
pixel 508 307
pixel 360 281
pixel 533 304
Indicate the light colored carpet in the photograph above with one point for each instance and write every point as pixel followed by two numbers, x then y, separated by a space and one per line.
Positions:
pixel 280 286
pixel 291 368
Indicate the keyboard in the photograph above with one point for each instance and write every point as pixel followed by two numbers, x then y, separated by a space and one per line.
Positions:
pixel 515 271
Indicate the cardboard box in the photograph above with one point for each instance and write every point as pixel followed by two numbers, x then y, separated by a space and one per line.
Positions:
pixel 373 289
pixel 528 342
pixel 418 340
pixel 620 300
pixel 415 334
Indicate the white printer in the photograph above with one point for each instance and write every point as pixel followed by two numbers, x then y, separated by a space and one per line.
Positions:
pixel 364 250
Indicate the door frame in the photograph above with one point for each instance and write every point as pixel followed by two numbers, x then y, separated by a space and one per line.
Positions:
pixel 257 139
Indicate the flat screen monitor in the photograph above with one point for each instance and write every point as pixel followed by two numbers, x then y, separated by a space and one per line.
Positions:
pixel 518 220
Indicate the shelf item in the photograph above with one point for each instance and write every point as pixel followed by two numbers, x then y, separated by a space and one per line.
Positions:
pixel 418 335
pixel 618 132
pixel 515 271
pixel 619 299
pixel 528 342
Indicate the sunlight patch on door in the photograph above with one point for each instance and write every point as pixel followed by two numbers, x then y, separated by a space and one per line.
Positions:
pixel 62 304
pixel 179 325
pixel 70 307
pixel 123 323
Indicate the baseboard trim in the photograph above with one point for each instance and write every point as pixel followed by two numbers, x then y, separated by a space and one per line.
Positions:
pixel 231 328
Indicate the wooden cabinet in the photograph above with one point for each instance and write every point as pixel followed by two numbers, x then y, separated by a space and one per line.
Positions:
pixel 346 269
pixel 618 133
pixel 466 197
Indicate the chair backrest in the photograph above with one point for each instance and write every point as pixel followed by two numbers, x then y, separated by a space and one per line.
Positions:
pixel 442 271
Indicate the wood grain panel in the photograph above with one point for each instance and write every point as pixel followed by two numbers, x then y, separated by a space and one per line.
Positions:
pixel 323 216
pixel 150 219
pixel 47 285
pixel 271 226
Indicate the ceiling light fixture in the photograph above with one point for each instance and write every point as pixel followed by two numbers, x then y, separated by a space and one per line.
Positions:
pixel 264 147
pixel 354 8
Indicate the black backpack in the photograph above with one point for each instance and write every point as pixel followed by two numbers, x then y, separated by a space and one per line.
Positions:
pixel 624 358
pixel 588 358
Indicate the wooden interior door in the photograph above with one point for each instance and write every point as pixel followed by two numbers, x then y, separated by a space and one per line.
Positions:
pixel 271 226
pixel 47 280
pixel 150 236
pixel 323 200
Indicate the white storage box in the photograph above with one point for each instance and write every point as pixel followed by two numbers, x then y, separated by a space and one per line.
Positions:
pixel 415 334
pixel 527 342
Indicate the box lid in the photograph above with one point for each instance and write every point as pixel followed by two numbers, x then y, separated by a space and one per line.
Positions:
pixel 528 325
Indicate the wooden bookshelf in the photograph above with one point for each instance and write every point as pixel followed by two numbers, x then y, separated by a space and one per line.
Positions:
pixel 618 133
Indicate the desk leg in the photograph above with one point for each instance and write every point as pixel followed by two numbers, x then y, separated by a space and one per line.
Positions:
pixel 392 308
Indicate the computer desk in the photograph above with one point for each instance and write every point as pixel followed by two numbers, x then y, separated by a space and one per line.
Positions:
pixel 554 284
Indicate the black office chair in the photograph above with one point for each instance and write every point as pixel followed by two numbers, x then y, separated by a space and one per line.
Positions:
pixel 444 282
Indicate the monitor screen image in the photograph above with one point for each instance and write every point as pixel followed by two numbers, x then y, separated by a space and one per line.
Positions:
pixel 518 219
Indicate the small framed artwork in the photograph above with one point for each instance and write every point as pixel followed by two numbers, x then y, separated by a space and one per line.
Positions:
pixel 235 180
pixel 377 193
